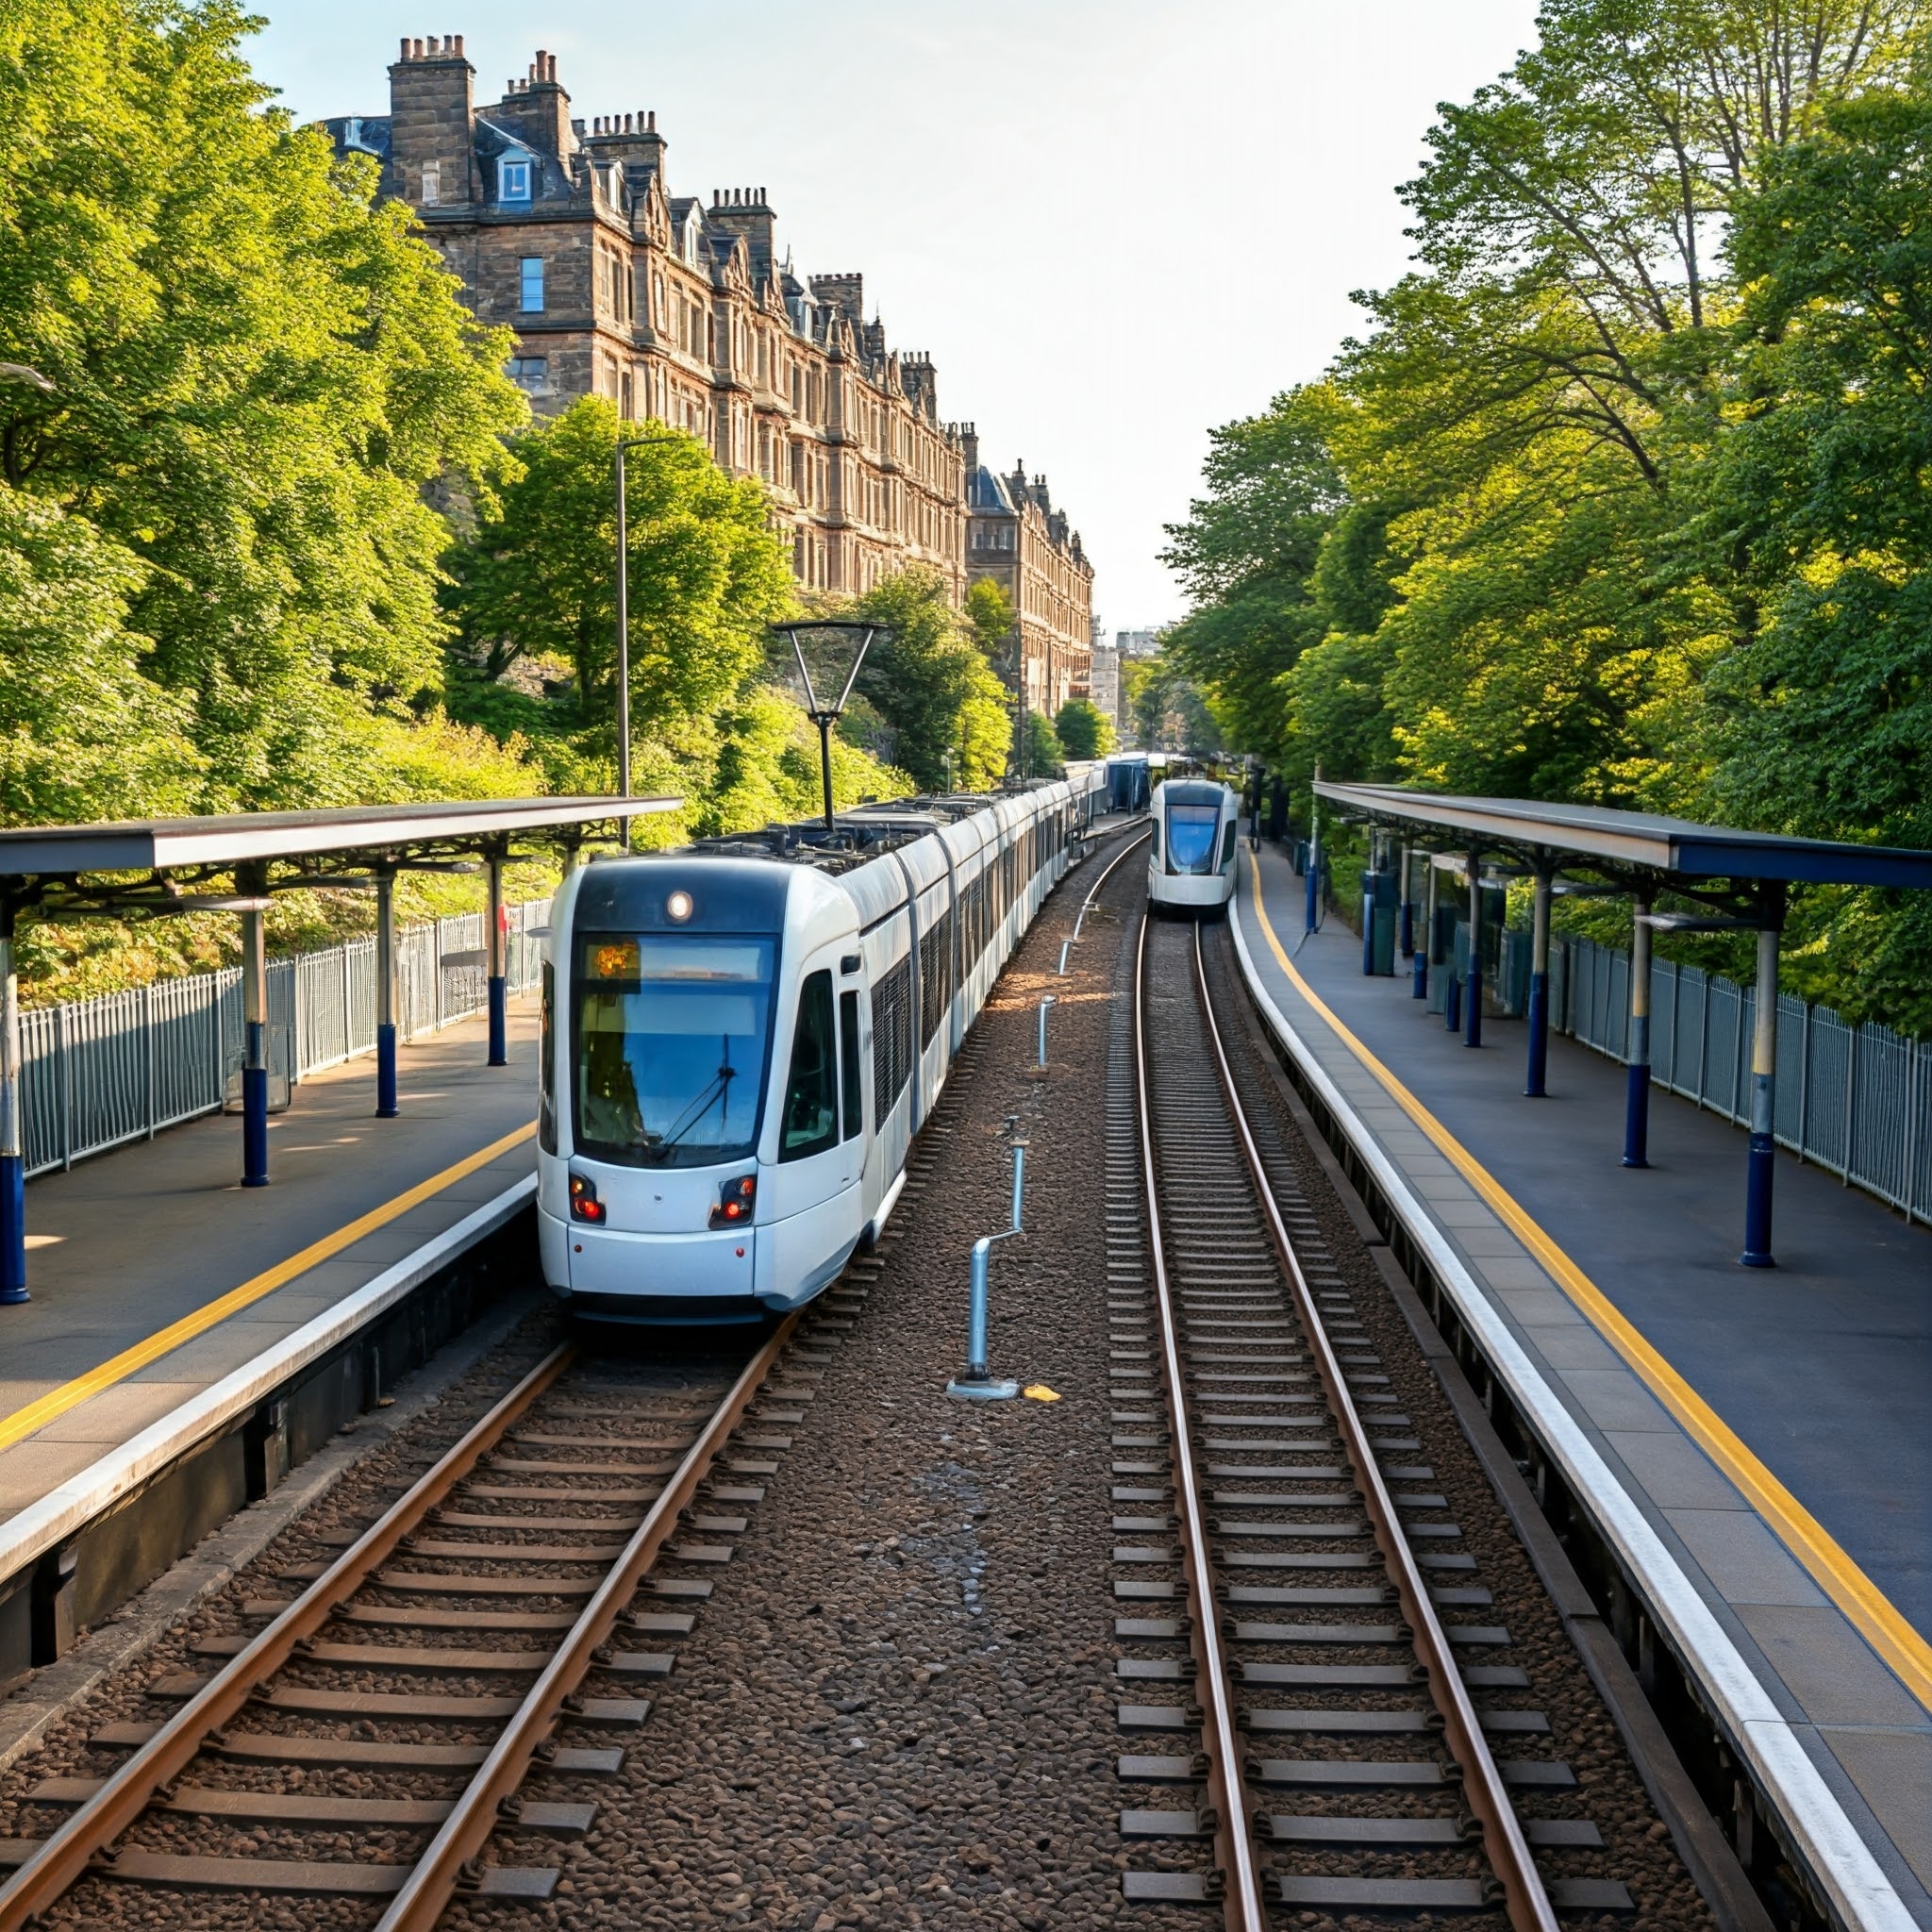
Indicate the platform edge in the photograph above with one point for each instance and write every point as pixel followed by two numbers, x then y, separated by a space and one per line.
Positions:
pixel 1837 1856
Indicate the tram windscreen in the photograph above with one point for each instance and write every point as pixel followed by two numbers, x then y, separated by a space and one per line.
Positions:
pixel 1191 837
pixel 672 1030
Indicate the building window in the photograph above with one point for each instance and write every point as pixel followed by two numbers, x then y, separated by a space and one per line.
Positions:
pixel 513 179
pixel 531 287
pixel 432 183
pixel 531 373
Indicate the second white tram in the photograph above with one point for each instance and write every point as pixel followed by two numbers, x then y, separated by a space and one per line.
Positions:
pixel 741 1040
pixel 1196 824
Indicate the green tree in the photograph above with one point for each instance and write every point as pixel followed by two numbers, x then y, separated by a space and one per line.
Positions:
pixel 256 371
pixel 84 734
pixel 1084 731
pixel 538 578
pixel 1246 555
pixel 1041 755
pixel 929 679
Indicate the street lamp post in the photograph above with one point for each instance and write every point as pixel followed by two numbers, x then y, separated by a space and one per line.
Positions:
pixel 826 716
pixel 624 443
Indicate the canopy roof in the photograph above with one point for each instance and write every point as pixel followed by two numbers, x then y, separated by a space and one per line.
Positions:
pixel 239 838
pixel 1649 841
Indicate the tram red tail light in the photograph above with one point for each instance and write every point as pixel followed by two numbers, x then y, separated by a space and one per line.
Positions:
pixel 584 1204
pixel 735 1200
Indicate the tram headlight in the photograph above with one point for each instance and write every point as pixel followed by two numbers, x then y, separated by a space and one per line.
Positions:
pixel 735 1201
pixel 584 1204
pixel 677 908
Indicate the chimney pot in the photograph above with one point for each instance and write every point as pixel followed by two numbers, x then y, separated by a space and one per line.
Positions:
pixel 415 50
pixel 406 47
pixel 652 119
pixel 459 46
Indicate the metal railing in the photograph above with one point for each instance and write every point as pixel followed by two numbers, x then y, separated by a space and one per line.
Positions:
pixel 97 1074
pixel 1856 1100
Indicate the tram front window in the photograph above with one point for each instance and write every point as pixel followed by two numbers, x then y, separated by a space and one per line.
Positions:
pixel 671 1047
pixel 1191 837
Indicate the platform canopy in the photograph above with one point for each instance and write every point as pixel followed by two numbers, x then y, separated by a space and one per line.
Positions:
pixel 80 866
pixel 1674 850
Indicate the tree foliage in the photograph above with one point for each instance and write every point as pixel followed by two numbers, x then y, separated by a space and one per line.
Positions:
pixel 928 679
pixel 256 370
pixel 1084 731
pixel 1620 496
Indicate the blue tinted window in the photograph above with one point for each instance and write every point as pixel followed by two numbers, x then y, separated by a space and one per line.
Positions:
pixel 1191 837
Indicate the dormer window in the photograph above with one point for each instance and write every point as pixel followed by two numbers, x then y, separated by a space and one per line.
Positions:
pixel 513 178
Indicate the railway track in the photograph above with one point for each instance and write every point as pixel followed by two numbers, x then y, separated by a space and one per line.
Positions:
pixel 478 1636
pixel 1363 1750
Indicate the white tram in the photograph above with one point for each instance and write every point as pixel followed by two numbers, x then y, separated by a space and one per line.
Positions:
pixel 1196 825
pixel 741 1039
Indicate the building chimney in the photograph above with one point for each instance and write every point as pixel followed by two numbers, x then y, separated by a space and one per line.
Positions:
pixel 432 110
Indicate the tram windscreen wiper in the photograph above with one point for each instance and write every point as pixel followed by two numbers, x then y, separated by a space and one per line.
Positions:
pixel 656 1148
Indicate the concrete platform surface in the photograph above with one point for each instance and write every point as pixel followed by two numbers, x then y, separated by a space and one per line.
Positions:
pixel 154 1273
pixel 1774 1427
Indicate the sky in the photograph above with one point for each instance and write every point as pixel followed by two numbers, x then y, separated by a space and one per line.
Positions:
pixel 1113 223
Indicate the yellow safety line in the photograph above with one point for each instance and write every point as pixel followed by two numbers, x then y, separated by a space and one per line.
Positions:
pixel 56 1402
pixel 1841 1581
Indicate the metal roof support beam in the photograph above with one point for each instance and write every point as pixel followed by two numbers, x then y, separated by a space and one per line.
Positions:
pixel 386 1104
pixel 1763 1159
pixel 1425 954
pixel 499 977
pixel 254 1033
pixel 1636 1087
pixel 1473 991
pixel 1534 1082
pixel 12 1124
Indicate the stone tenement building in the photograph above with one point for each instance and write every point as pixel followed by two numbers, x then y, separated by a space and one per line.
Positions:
pixel 570 234
pixel 1016 538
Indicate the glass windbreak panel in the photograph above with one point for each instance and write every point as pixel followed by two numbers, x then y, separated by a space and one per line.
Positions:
pixel 1191 837
pixel 809 1124
pixel 671 1043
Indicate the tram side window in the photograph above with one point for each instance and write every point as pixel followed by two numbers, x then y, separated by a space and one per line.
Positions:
pixel 850 1092
pixel 546 1076
pixel 809 1124
pixel 1227 838
pixel 892 1037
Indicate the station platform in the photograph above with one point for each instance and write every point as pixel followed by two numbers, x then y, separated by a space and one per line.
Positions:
pixel 1768 1426
pixel 155 1275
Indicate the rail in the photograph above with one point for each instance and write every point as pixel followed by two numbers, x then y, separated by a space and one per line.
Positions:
pixel 85 1843
pixel 1243 1907
pixel 1509 1853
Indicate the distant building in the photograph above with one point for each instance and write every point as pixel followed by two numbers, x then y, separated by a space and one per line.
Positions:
pixel 570 234
pixel 1018 538
pixel 1104 681
pixel 1139 643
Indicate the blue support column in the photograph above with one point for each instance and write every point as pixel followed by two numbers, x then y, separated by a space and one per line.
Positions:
pixel 254 1052
pixel 1313 883
pixel 1637 1092
pixel 1472 989
pixel 1424 952
pixel 499 978
pixel 1763 1154
pixel 387 1107
pixel 1534 1086
pixel 12 1129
